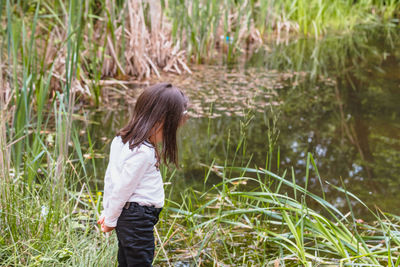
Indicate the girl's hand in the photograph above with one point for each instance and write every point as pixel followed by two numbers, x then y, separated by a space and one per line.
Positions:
pixel 106 228
pixel 101 220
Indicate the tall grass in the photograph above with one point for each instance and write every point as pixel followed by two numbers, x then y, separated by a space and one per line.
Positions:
pixel 40 185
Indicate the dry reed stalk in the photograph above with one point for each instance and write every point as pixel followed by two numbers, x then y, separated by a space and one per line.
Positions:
pixel 285 26
pixel 148 49
pixel 6 112
pixel 162 246
pixel 55 56
pixel 6 115
pixel 245 26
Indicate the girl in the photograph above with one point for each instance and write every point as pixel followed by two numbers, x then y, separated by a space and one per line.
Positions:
pixel 133 186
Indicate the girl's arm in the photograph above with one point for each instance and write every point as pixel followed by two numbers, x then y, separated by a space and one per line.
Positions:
pixel 133 169
pixel 105 194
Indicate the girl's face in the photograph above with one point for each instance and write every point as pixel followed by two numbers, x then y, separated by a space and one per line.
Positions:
pixel 185 117
pixel 157 137
pixel 158 134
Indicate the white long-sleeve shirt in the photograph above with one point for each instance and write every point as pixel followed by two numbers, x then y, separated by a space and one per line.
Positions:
pixel 131 176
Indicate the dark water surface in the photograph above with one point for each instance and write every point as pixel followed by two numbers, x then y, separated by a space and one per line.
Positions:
pixel 337 98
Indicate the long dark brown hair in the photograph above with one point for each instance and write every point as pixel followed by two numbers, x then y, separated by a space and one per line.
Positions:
pixel 159 104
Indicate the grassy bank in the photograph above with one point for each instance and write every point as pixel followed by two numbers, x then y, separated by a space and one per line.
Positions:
pixel 271 225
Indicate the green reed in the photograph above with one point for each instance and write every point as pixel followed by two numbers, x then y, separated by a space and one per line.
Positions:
pixel 38 178
pixel 209 27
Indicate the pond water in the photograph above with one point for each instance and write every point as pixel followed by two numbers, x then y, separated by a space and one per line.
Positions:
pixel 337 98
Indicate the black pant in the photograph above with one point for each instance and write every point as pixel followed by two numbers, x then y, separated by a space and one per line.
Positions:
pixel 135 235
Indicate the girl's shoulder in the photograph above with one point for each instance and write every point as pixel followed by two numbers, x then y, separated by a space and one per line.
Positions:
pixel 146 149
pixel 142 153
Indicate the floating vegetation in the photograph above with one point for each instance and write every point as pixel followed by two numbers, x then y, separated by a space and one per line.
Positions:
pixel 216 91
